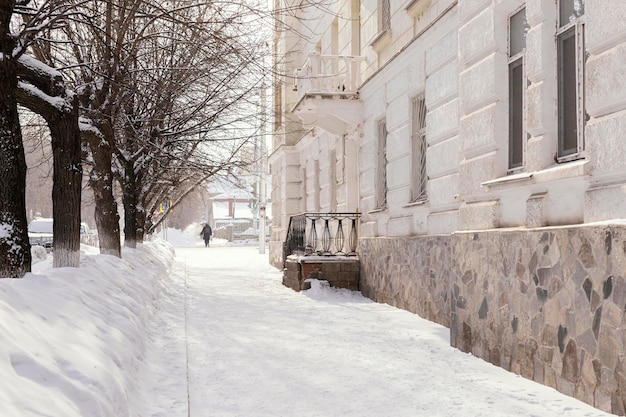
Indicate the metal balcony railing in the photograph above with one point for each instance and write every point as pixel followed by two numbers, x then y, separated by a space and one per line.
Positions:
pixel 326 234
pixel 329 75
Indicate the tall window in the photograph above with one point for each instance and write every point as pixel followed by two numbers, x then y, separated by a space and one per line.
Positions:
pixel 384 15
pixel 418 149
pixel 570 61
pixel 316 186
pixel 517 46
pixel 381 166
pixel 332 183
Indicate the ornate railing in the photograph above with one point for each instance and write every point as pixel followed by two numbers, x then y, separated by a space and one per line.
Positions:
pixel 326 234
pixel 329 74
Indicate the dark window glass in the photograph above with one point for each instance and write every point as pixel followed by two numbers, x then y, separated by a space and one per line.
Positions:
pixel 517 32
pixel 568 127
pixel 516 113
pixel 570 10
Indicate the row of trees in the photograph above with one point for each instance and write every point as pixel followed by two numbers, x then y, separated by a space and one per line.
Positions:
pixel 149 97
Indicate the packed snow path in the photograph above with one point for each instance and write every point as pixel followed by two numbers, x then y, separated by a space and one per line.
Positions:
pixel 251 347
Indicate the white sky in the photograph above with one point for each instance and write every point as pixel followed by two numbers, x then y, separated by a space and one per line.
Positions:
pixel 213 332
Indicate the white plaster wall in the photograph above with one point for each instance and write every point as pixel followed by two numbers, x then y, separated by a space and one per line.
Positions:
pixel 479 37
pixel 605 90
pixel 541 95
pixel 461 64
pixel 606 20
pixel 469 8
pixel 606 148
pixel 484 121
pixel 427 65
pixel 606 81
pixel 442 122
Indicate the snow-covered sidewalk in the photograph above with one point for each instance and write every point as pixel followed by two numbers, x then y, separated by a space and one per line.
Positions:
pixel 251 347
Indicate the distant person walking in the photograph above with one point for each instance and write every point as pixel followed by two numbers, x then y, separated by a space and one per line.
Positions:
pixel 206 234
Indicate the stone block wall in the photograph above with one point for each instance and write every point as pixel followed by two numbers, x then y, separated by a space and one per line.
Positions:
pixel 411 273
pixel 340 272
pixel 546 303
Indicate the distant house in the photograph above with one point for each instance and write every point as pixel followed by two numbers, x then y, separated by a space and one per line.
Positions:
pixel 235 215
pixel 482 144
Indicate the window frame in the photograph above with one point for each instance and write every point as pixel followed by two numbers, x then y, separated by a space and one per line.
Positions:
pixel 565 30
pixel 516 60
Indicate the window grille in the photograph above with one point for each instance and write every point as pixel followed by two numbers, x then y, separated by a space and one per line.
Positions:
pixel 418 149
pixel 381 166
pixel 384 15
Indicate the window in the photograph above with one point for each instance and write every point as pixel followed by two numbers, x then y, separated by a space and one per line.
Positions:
pixel 570 62
pixel 316 186
pixel 381 166
pixel 418 149
pixel 332 183
pixel 517 47
pixel 384 15
pixel 355 28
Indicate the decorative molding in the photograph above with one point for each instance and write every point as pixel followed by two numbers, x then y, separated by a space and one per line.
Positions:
pixel 417 7
pixel 381 41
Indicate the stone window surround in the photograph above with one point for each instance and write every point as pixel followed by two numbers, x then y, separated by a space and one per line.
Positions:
pixel 417 7
pixel 381 41
pixel 545 164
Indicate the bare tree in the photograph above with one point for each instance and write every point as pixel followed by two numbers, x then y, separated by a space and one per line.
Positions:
pixel 156 81
pixel 42 90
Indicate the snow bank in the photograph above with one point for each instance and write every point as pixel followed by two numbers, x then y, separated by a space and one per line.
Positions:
pixel 75 336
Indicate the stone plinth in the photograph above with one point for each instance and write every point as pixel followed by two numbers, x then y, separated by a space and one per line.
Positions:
pixel 547 303
pixel 339 271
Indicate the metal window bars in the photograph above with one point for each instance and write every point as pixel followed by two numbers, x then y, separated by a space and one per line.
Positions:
pixel 419 149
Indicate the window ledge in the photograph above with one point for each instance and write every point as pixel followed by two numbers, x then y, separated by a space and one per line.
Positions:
pixel 577 168
pixel 377 210
pixel 524 176
pixel 416 203
pixel 417 7
pixel 381 41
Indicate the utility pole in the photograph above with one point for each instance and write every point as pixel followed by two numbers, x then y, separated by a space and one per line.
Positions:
pixel 262 173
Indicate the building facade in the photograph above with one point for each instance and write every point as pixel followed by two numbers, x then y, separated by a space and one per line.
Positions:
pixel 481 141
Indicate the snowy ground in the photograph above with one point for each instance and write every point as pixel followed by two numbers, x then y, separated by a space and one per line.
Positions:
pixel 212 332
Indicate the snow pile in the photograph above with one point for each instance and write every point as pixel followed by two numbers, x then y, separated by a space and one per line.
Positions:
pixel 188 237
pixel 73 339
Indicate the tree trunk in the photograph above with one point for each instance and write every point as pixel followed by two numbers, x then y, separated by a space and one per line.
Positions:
pixel 15 257
pixel 66 188
pixel 141 223
pixel 66 150
pixel 131 202
pixel 106 215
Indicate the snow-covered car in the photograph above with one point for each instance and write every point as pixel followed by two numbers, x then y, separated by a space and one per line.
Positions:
pixel 88 236
pixel 40 232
